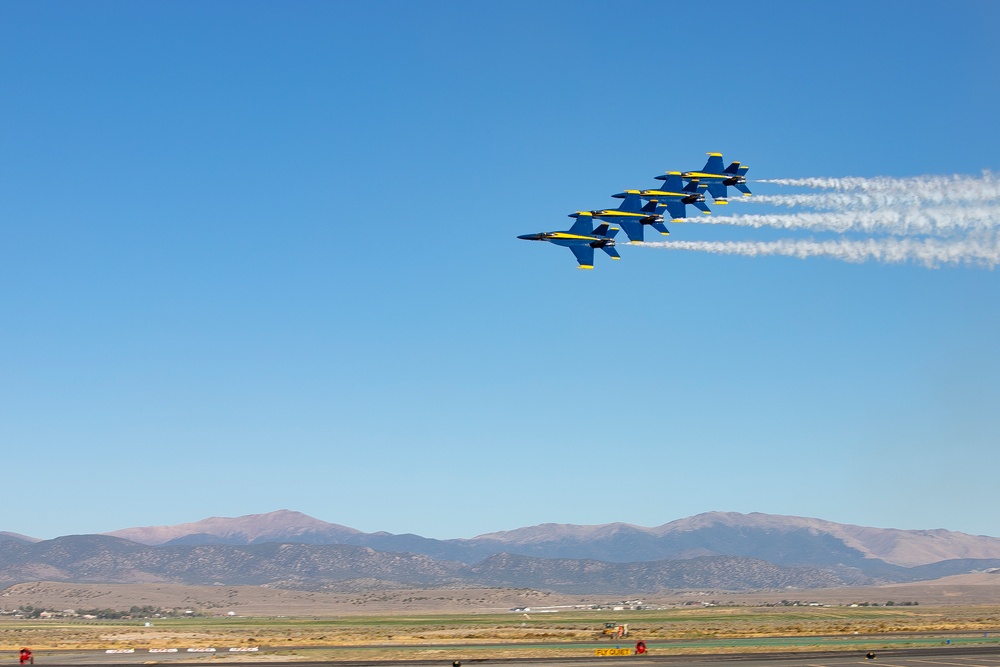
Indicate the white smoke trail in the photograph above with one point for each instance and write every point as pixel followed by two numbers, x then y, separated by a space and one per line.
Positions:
pixel 929 252
pixel 926 221
pixel 867 193
pixel 929 220
pixel 956 187
pixel 870 200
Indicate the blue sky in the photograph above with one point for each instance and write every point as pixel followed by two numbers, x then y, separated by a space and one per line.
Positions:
pixel 263 255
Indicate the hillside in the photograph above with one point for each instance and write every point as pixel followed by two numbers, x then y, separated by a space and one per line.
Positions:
pixel 293 551
pixel 786 540
pixel 104 559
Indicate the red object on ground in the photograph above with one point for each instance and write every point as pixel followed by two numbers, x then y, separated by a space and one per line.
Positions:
pixel 640 647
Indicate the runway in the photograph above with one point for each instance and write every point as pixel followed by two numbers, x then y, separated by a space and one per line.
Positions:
pixel 940 656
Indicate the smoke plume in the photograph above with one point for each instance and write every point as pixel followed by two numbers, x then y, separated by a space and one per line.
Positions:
pixel 929 220
pixel 929 252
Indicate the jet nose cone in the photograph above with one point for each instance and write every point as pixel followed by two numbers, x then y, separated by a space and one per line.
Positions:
pixel 530 237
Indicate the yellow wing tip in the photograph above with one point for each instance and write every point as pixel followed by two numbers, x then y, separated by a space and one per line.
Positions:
pixel 585 266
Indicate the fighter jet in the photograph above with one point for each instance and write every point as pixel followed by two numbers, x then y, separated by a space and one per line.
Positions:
pixel 674 196
pixel 716 179
pixel 582 238
pixel 631 215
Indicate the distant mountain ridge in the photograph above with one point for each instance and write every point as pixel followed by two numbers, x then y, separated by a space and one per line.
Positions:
pixel 278 526
pixel 343 568
pixel 787 540
pixel 901 547
pixel 291 550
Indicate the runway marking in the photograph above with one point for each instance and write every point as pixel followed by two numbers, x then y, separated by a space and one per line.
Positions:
pixel 944 662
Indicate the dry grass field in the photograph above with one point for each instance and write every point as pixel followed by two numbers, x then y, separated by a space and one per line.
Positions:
pixel 410 623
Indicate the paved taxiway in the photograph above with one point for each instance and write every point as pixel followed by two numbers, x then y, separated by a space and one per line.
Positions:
pixel 949 656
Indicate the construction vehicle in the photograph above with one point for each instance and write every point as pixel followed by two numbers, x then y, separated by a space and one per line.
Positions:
pixel 614 631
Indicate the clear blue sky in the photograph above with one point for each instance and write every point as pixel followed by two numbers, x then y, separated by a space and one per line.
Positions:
pixel 262 255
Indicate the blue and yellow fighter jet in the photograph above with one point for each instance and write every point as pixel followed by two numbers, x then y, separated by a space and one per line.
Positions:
pixel 673 195
pixel 582 238
pixel 716 179
pixel 630 216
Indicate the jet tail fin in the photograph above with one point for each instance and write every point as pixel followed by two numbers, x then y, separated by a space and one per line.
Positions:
pixel 612 251
pixel 692 186
pixel 660 227
pixel 632 203
pixel 714 164
pixel 584 223
pixel 672 181
pixel 701 206
pixel 733 168
pixel 742 187
pixel 606 231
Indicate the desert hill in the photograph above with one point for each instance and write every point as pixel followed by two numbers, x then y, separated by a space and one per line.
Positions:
pixel 339 568
pixel 785 540
pixel 715 550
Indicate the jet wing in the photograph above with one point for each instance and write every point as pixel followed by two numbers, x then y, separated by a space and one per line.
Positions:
pixel 676 209
pixel 584 255
pixel 718 191
pixel 632 229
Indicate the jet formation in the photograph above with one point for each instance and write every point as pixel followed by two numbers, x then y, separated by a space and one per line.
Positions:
pixel 678 190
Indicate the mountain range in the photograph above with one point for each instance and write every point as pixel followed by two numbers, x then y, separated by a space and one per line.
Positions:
pixel 716 550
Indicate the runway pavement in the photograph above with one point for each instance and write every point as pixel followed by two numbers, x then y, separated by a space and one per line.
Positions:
pixel 941 656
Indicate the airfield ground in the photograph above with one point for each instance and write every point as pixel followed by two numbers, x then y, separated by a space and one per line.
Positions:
pixel 479 624
pixel 978 589
pixel 511 635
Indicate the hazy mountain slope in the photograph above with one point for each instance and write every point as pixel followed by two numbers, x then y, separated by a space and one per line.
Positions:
pixel 105 559
pixel 279 526
pixel 776 538
pixel 784 540
pixel 628 544
pixel 714 573
pixel 901 547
